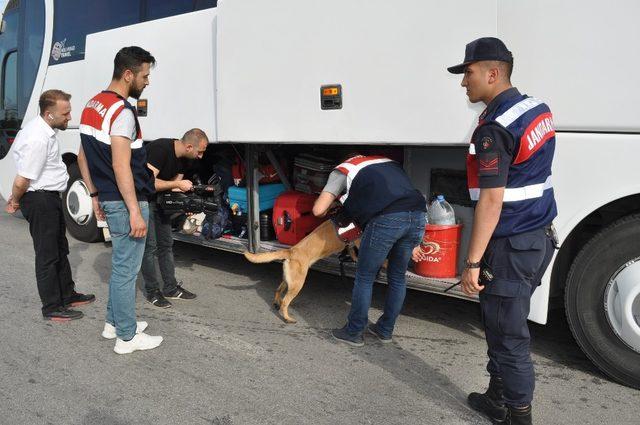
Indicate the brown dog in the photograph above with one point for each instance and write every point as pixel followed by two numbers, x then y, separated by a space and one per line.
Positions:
pixel 320 243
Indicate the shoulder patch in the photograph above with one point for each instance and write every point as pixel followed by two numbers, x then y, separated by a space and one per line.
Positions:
pixel 486 143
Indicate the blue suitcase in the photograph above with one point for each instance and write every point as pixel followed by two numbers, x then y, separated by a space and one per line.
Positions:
pixel 267 193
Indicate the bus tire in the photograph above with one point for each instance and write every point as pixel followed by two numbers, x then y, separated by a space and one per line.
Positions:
pixel 77 209
pixel 589 305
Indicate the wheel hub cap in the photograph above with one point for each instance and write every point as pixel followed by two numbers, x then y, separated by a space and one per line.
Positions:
pixel 79 203
pixel 622 303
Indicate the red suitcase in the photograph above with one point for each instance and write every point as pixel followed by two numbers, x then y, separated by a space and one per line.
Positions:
pixel 293 218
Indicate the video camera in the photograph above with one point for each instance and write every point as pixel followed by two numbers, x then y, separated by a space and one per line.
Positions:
pixel 203 198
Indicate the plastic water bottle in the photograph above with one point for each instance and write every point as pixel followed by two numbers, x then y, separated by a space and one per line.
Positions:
pixel 441 212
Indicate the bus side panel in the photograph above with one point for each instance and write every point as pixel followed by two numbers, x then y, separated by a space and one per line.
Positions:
pixel 578 56
pixel 7 174
pixel 589 171
pixel 69 141
pixel 389 57
pixel 181 93
pixel 66 78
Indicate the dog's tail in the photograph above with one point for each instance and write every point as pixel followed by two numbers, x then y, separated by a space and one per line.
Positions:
pixel 267 257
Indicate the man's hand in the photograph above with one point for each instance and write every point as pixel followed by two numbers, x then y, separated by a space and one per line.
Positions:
pixel 418 255
pixel 18 189
pixel 11 206
pixel 469 281
pixel 97 210
pixel 323 203
pixel 185 185
pixel 138 226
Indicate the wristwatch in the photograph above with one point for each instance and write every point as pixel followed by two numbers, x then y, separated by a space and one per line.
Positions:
pixel 469 265
pixel 93 195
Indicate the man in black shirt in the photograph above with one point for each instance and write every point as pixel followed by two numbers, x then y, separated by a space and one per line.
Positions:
pixel 166 158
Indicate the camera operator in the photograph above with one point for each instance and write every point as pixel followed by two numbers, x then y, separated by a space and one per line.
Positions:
pixel 166 158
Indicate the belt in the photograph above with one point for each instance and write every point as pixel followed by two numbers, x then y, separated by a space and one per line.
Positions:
pixel 47 191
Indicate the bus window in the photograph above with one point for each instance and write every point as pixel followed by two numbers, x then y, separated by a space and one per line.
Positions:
pixel 30 52
pixel 10 86
pixel 205 4
pixel 157 9
pixel 74 19
pixel 9 123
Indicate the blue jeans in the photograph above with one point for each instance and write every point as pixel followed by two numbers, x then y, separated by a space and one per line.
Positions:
pixel 126 257
pixel 159 245
pixel 389 236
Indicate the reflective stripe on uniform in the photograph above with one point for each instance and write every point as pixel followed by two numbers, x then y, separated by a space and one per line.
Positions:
pixel 517 110
pixel 515 194
pixel 352 170
pixel 94 132
pixel 106 121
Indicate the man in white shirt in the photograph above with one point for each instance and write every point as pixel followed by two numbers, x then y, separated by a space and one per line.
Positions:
pixel 36 190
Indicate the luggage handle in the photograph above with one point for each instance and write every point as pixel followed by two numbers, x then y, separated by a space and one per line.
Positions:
pixel 285 220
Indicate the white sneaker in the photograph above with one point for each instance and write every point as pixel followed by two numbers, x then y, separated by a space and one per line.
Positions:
pixel 109 331
pixel 140 341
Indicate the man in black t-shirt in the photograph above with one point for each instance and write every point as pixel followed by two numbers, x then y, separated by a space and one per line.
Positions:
pixel 166 159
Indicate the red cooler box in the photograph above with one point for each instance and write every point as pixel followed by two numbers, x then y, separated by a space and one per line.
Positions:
pixel 293 218
pixel 440 245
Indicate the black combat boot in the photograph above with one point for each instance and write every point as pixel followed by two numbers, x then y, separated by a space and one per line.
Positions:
pixel 491 402
pixel 520 416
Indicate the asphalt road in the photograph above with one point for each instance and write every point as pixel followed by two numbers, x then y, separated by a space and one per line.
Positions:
pixel 228 359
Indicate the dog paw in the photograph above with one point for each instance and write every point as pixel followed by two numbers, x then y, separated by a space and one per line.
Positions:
pixel 290 320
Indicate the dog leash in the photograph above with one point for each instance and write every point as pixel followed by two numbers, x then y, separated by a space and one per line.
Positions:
pixel 452 286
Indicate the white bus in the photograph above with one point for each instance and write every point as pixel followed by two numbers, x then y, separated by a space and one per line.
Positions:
pixel 249 73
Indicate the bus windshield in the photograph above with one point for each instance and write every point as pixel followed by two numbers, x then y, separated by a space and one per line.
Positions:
pixel 21 44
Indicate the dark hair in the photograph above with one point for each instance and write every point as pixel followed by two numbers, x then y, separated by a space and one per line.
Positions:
pixel 50 97
pixel 131 58
pixel 194 135
pixel 348 155
pixel 508 69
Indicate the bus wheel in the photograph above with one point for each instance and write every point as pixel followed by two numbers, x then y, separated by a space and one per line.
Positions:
pixel 78 210
pixel 602 300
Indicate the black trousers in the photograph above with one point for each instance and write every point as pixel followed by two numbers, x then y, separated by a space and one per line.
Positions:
pixel 43 211
pixel 512 269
